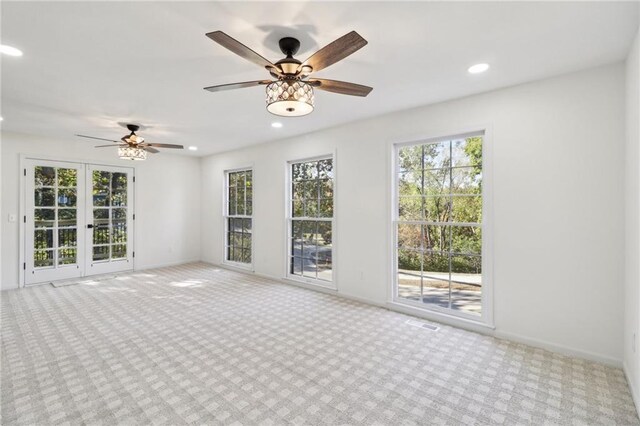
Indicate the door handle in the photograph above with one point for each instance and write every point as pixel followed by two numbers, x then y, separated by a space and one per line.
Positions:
pixel 89 226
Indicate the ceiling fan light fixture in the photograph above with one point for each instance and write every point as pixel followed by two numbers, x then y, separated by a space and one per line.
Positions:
pixel 290 98
pixel 132 153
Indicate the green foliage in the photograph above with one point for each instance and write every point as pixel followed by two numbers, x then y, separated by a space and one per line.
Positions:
pixel 473 149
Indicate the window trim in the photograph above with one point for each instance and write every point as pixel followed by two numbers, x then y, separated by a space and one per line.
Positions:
pixel 226 217
pixel 486 318
pixel 287 275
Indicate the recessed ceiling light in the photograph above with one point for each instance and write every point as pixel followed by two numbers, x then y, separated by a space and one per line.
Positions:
pixel 193 148
pixel 478 68
pixel 10 50
pixel 276 125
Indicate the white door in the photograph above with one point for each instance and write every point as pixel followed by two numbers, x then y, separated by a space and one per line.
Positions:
pixel 109 216
pixel 53 221
pixel 78 220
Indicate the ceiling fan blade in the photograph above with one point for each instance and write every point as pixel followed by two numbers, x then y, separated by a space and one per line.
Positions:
pixel 109 146
pixel 151 150
pixel 161 145
pixel 240 49
pixel 100 139
pixel 335 51
pixel 231 86
pixel 341 87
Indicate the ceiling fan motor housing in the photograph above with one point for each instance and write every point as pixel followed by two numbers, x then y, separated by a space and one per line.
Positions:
pixel 289 46
pixel 289 65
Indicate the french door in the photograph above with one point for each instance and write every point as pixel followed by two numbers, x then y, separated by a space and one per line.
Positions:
pixel 109 213
pixel 78 220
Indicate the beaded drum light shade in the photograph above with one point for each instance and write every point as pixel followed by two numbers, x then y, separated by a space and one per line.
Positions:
pixel 131 153
pixel 289 98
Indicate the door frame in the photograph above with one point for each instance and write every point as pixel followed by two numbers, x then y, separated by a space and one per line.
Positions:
pixel 22 255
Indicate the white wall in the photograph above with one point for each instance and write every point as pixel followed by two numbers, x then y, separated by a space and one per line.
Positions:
pixel 632 222
pixel 558 204
pixel 167 200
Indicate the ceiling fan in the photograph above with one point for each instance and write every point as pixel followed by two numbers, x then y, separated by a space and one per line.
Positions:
pixel 132 146
pixel 291 94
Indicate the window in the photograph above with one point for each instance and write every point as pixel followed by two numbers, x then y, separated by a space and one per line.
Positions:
pixel 438 226
pixel 238 217
pixel 311 220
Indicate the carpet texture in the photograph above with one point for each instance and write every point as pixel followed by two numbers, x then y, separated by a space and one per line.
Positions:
pixel 197 344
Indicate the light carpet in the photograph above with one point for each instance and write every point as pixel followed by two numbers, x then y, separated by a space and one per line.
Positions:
pixel 201 345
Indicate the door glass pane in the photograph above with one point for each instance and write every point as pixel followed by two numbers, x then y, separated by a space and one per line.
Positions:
pixel 119 198
pixel 101 234
pixel 100 253
pixel 44 218
pixel 100 216
pixel 67 237
pixel 43 238
pixel 67 256
pixel 118 181
pixel 44 176
pixel 67 218
pixel 43 258
pixel 119 251
pixel 66 197
pixel 119 232
pixel 119 225
pixel 67 178
pixel 101 188
pixel 45 197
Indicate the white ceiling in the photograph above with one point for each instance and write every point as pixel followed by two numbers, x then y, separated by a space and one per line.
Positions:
pixel 89 65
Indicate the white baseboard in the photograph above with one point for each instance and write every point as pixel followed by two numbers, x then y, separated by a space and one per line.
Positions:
pixel 165 264
pixel 564 350
pixel 632 387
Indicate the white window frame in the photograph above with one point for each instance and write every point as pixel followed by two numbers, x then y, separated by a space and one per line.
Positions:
pixel 226 217
pixel 486 318
pixel 330 285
